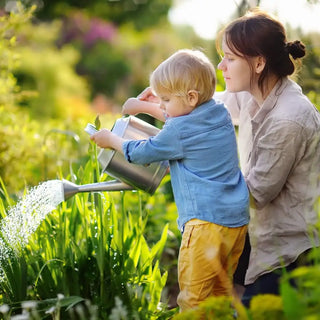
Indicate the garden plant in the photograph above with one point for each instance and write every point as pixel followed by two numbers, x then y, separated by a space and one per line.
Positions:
pixel 90 252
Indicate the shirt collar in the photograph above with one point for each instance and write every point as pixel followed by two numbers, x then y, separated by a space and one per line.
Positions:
pixel 271 101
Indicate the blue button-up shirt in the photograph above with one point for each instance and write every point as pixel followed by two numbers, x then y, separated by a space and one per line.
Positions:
pixel 202 152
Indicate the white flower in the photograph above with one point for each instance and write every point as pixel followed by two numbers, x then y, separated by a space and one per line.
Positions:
pixel 29 304
pixel 4 308
pixel 119 312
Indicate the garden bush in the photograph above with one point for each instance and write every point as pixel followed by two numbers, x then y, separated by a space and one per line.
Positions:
pixel 33 146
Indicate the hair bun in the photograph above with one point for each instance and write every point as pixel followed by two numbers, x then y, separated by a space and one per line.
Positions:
pixel 296 48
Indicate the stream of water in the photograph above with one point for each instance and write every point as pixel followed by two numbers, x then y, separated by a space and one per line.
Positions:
pixel 23 219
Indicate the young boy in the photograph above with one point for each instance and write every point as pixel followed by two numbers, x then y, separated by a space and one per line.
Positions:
pixel 211 195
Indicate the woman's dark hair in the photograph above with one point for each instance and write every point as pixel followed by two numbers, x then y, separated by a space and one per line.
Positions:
pixel 259 34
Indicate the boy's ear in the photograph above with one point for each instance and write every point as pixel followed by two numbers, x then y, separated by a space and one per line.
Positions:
pixel 193 97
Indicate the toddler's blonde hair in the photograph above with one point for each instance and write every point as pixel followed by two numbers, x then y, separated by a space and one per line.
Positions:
pixel 183 71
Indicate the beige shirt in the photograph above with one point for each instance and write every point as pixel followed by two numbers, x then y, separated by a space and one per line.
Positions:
pixel 279 148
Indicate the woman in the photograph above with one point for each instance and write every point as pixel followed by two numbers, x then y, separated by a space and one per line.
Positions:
pixel 279 146
pixel 279 134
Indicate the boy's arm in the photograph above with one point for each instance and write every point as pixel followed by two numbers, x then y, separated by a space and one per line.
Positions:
pixel 146 102
pixel 134 106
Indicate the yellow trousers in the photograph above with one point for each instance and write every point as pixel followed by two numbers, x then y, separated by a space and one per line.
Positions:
pixel 208 257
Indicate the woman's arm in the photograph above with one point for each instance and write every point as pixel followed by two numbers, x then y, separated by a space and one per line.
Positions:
pixel 273 158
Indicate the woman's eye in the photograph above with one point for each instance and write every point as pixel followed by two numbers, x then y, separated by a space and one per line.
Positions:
pixel 228 58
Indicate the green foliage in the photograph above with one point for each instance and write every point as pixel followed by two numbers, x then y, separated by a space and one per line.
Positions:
pixel 218 308
pixel 50 73
pixel 19 139
pixel 31 152
pixel 142 14
pixel 100 61
pixel 310 72
pixel 104 67
pixel 314 98
pixel 159 210
pixel 90 249
pixel 9 26
pixel 267 306
pixel 25 144
pixel 302 301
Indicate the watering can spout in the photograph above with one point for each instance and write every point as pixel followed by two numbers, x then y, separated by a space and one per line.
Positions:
pixel 70 188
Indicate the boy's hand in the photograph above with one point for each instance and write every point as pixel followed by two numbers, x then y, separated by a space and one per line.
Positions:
pixel 107 139
pixel 102 138
pixel 147 95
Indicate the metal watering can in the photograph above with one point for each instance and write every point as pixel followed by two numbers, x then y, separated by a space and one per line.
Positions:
pixel 128 176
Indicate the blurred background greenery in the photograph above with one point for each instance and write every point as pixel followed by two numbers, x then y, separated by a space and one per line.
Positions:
pixel 62 63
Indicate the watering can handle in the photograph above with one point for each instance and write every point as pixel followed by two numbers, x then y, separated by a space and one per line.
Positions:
pixel 90 129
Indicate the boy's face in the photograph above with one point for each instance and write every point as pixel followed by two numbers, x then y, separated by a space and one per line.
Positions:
pixel 175 106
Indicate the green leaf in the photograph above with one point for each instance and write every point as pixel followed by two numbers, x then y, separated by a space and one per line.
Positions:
pixel 97 123
pixel 67 302
pixel 159 246
pixel 292 306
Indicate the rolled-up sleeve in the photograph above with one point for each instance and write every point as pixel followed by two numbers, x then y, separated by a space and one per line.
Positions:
pixel 274 155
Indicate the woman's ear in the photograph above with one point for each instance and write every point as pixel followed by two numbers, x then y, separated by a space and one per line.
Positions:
pixel 193 98
pixel 259 64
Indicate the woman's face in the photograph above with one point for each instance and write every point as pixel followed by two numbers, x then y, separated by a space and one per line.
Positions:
pixel 236 71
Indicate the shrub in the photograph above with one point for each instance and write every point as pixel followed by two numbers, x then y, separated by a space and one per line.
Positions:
pixel 266 307
pixel 218 308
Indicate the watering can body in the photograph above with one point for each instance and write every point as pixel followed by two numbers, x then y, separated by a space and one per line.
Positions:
pixel 128 176
pixel 146 178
